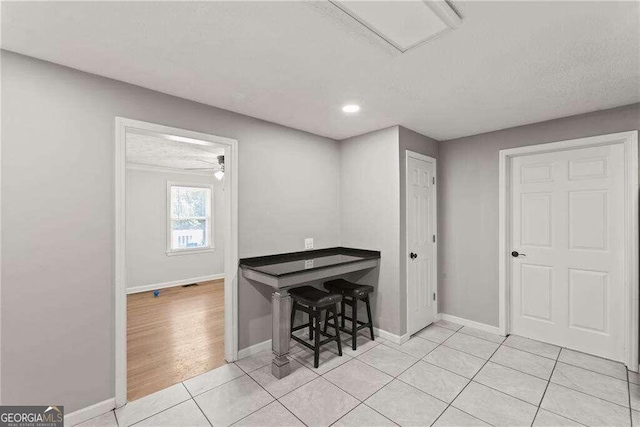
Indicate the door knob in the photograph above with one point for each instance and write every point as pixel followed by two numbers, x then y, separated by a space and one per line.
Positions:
pixel 516 254
pixel 413 255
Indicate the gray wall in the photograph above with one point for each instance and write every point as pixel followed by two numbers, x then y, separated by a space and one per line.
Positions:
pixel 146 234
pixel 412 141
pixel 468 205
pixel 58 176
pixel 370 213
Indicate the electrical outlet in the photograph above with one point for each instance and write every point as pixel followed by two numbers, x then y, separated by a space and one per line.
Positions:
pixel 308 243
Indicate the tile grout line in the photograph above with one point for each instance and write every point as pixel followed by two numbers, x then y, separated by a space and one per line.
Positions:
pixel 199 394
pixel 522 372
pixel 505 393
pixel 587 394
pixel 394 378
pixel 577 391
pixel 555 413
pixel 422 359
pixel 159 412
pixel 593 395
pixel 322 375
pixel 361 402
pixel 445 369
pixel 559 385
pixel 194 400
pixel 263 406
pixel 469 380
pixel 591 370
pixel 467 385
pixel 201 411
pixel 275 399
pixel 545 391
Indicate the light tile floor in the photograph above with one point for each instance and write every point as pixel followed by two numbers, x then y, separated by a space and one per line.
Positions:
pixel 446 375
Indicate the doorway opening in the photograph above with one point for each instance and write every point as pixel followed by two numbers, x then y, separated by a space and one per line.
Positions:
pixel 568 265
pixel 176 256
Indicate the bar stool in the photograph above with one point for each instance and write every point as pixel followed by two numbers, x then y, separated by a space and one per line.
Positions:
pixel 351 293
pixel 313 301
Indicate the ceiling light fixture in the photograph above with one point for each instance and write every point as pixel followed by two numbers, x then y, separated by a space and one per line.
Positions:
pixel 351 108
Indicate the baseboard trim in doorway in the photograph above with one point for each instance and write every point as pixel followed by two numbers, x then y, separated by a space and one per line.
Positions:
pixel 85 414
pixel 470 323
pixel 164 285
pixel 253 349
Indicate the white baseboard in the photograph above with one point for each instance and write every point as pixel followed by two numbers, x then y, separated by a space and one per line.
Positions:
pixel 256 348
pixel 396 339
pixel 163 285
pixel 85 414
pixel 266 345
pixel 470 323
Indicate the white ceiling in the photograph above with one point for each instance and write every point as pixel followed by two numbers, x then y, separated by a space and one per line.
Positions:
pixel 297 63
pixel 156 151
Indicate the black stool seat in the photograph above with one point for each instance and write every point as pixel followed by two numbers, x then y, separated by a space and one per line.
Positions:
pixel 313 297
pixel 347 288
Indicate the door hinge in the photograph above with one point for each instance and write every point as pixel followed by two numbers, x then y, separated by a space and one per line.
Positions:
pixel 434 179
pixel 434 296
pixel 434 238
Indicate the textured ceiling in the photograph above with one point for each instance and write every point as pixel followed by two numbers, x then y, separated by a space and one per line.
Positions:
pixel 296 63
pixel 155 151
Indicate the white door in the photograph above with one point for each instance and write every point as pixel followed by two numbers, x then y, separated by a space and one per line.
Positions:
pixel 567 264
pixel 421 221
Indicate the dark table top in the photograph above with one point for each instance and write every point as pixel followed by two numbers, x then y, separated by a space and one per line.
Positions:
pixel 296 262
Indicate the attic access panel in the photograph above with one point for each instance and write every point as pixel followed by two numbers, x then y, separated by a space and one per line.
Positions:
pixel 403 24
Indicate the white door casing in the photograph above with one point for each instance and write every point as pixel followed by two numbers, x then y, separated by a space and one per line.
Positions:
pixel 230 241
pixel 421 247
pixel 572 208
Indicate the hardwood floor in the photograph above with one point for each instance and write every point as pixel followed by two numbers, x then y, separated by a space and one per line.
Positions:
pixel 173 337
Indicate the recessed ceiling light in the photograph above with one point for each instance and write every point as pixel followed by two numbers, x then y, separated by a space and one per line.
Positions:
pixel 352 108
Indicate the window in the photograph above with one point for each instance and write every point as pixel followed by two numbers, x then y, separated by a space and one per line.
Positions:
pixel 189 219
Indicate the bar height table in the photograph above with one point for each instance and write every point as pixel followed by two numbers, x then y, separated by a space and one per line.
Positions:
pixel 286 271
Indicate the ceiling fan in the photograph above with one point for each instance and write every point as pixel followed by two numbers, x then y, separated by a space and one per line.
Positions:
pixel 219 168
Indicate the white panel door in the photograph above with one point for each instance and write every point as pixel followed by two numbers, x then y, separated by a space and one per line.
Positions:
pixel 421 271
pixel 567 225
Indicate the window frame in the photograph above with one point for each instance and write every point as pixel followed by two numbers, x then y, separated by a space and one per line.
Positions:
pixel 208 220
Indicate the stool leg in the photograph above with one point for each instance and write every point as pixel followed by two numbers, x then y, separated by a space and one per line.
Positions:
pixel 354 324
pixel 367 302
pixel 316 352
pixel 342 307
pixel 326 321
pixel 310 324
pixel 293 316
pixel 337 330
